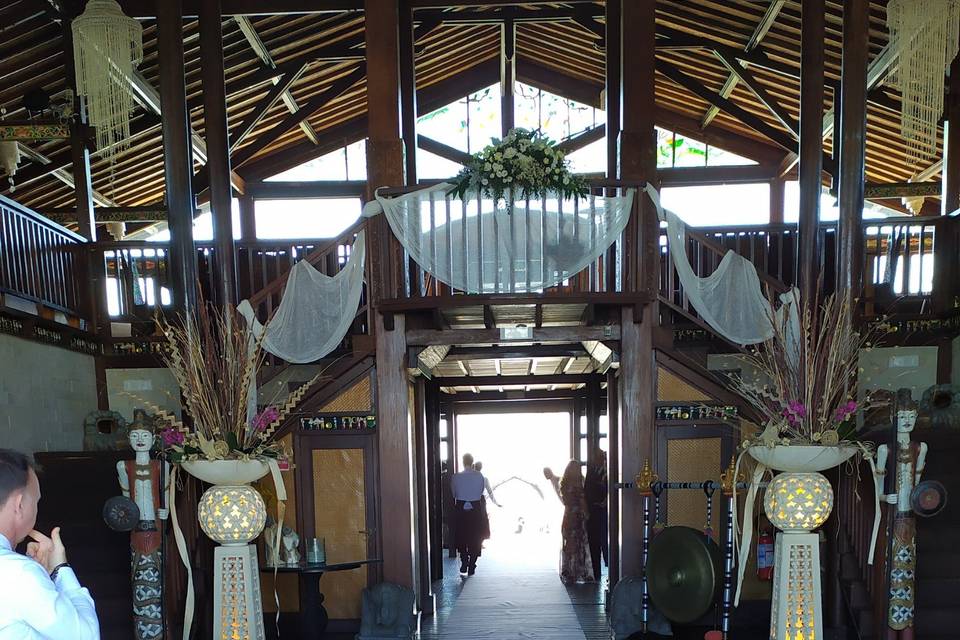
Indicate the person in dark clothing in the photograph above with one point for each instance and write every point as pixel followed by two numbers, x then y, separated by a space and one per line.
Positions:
pixel 467 488
pixel 595 491
pixel 448 509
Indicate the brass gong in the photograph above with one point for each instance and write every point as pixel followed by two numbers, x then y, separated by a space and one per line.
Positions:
pixel 684 573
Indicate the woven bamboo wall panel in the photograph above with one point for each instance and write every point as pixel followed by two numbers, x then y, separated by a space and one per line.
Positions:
pixel 339 495
pixel 692 460
pixel 287 585
pixel 357 398
pixel 672 388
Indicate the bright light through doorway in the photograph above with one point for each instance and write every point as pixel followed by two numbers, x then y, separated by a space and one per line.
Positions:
pixel 514 449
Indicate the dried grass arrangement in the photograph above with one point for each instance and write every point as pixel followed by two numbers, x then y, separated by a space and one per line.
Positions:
pixel 807 384
pixel 214 356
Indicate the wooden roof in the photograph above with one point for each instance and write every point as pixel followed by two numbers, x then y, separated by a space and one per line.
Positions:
pixel 564 55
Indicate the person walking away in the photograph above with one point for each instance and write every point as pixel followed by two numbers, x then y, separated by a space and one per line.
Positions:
pixel 575 558
pixel 40 597
pixel 489 492
pixel 468 488
pixel 595 492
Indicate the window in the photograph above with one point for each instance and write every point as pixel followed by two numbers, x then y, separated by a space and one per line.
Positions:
pixel 556 117
pixel 430 166
pixel 467 124
pixel 590 159
pixel 346 163
pixel 306 218
pixel 676 150
pixel 203 225
pixel 715 205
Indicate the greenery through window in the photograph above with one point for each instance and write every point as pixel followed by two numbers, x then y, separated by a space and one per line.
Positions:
pixel 676 150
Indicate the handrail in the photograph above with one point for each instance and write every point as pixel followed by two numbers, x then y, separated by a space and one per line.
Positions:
pixel 41 219
pixel 277 284
pixel 773 283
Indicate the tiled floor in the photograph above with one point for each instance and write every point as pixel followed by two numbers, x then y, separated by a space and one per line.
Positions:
pixel 515 594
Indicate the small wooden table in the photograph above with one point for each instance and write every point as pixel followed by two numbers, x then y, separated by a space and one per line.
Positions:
pixel 313 615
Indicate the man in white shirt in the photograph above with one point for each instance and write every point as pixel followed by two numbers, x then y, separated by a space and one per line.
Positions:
pixel 40 598
pixel 468 486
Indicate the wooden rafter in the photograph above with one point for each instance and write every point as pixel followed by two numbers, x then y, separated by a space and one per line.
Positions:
pixel 281 90
pixel 740 71
pixel 766 22
pixel 584 138
pixel 443 150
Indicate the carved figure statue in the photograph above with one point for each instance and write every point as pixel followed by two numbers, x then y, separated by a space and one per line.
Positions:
pixel 902 549
pixel 291 546
pixel 626 611
pixel 104 431
pixel 140 481
pixel 387 612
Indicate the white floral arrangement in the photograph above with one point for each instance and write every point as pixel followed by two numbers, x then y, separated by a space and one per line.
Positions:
pixel 525 164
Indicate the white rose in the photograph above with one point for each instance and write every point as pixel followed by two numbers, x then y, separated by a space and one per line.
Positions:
pixel 487 166
pixel 508 179
pixel 484 181
pixel 566 179
pixel 546 161
pixel 498 156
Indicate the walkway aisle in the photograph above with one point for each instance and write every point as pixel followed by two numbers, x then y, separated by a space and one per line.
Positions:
pixel 509 603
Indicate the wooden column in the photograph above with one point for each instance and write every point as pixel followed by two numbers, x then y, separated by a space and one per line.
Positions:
pixel 385 168
pixel 613 472
pixel 434 481
pixel 177 154
pixel 776 200
pixel 80 154
pixel 811 144
pixel 408 91
pixel 384 146
pixel 218 150
pixel 508 75
pixel 592 413
pixel 248 218
pixel 853 125
pixel 422 443
pixel 612 87
pixel 637 165
pixel 945 269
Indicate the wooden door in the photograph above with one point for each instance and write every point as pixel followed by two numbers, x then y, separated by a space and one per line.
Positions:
pixel 336 480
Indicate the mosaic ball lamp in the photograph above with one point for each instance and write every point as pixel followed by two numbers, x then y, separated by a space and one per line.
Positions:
pixel 798 502
pixel 232 515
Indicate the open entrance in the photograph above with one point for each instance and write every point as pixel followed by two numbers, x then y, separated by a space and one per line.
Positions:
pixel 526 512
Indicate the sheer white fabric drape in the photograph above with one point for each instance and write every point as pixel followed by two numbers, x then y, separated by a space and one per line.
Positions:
pixel 316 310
pixel 478 246
pixel 731 299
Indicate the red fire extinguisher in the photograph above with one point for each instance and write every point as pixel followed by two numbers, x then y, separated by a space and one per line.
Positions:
pixel 765 555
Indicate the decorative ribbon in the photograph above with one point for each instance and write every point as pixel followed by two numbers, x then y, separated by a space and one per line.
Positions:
pixel 182 548
pixel 747 538
pixel 876 507
pixel 281 491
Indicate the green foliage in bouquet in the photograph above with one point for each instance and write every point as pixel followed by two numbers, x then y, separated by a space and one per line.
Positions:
pixel 525 164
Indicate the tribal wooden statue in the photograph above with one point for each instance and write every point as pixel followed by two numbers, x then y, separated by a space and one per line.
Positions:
pixel 140 481
pixel 902 548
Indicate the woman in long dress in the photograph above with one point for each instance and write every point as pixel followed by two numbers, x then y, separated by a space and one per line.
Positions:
pixel 575 559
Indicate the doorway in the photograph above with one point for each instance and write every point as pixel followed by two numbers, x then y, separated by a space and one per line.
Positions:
pixel 514 449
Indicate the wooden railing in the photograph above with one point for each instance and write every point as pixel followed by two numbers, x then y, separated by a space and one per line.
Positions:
pixel 138 273
pixel 404 284
pixel 39 261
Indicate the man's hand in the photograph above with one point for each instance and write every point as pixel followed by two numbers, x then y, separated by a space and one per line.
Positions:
pixel 163 514
pixel 49 552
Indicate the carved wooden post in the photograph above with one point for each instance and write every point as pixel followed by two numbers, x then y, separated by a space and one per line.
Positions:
pixel 811 145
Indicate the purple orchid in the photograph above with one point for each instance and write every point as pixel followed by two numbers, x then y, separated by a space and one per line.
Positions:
pixel 171 437
pixel 263 419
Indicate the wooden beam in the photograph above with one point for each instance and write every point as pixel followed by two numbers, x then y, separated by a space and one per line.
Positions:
pixel 218 149
pixel 516 352
pixel 535 74
pixel 279 90
pixel 111 214
pixel 408 92
pixel 443 150
pixel 899 190
pixel 277 190
pixel 769 17
pixel 718 137
pixel 426 337
pixel 178 156
pixel 811 143
pixel 754 122
pixel 33 131
pixel 611 95
pixel 762 94
pixel 582 7
pixel 584 138
pixel 494 381
pixel 259 48
pixel 685 176
pixel 508 75
pixel 951 144
pixel 337 88
pixel 145 9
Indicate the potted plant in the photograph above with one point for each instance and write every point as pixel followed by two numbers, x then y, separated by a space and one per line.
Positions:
pixel 804 387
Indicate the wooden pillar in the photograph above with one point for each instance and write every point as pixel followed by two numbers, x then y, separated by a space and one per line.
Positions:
pixel 592 413
pixel 613 472
pixel 811 144
pixel 945 269
pixel 385 167
pixel 508 75
pixel 177 154
pixel 218 150
pixel 776 200
pixel 434 481
pixel 421 443
pixel 248 218
pixel 637 165
pixel 408 91
pixel 853 125
pixel 612 87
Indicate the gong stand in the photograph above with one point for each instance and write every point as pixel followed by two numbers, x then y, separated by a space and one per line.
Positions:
pixel 650 489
